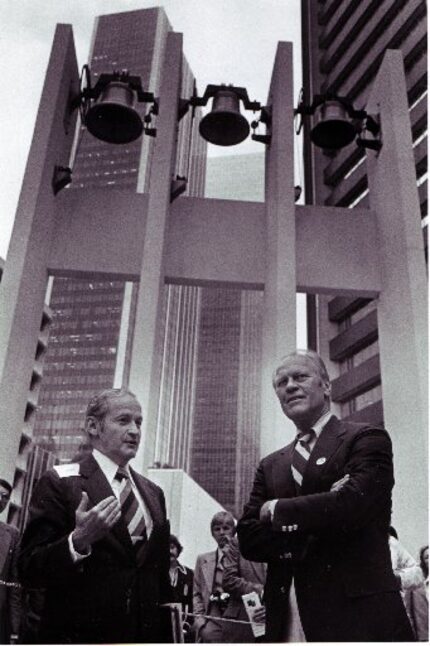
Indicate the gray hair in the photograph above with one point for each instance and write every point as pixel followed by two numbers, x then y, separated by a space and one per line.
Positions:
pixel 313 356
pixel 98 405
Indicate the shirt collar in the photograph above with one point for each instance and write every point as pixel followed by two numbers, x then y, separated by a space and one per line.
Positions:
pixel 181 568
pixel 318 426
pixel 108 466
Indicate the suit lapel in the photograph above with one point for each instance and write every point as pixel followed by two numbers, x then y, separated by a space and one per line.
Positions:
pixel 150 498
pixel 5 540
pixel 152 502
pixel 283 481
pixel 209 570
pixel 327 444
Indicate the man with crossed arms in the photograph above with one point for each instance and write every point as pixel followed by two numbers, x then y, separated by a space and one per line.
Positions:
pixel 319 514
pixel 97 538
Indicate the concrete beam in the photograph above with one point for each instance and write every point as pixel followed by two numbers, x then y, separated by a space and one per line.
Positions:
pixel 99 231
pixel 213 241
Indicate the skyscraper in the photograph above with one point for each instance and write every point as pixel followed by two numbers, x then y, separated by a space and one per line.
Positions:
pixel 343 45
pixel 226 425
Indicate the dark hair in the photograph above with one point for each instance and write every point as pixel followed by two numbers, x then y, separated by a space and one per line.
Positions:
pixel 98 405
pixel 222 517
pixel 392 532
pixel 313 357
pixel 173 539
pixel 6 485
pixel 423 564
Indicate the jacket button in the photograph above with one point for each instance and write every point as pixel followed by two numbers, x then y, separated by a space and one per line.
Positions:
pixel 283 589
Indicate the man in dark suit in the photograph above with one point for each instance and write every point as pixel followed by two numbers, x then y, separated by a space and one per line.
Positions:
pixel 319 514
pixel 10 593
pixel 97 538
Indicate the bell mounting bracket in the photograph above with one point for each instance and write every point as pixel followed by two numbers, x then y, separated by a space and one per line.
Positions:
pixel 88 92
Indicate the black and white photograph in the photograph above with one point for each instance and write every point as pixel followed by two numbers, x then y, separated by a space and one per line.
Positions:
pixel 213 321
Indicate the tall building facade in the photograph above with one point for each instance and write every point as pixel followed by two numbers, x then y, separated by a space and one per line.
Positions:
pixel 226 435
pixel 343 44
pixel 93 318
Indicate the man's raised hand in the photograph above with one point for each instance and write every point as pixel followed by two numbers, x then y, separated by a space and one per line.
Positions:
pixel 92 524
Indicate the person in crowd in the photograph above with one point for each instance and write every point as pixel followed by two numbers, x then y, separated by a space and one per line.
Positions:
pixel 424 564
pixel 319 514
pixel 10 592
pixel 241 577
pixel 181 581
pixel 209 597
pixel 417 601
pixel 405 567
pixel 97 538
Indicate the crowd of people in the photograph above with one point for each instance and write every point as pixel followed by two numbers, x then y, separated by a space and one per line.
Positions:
pixel 313 557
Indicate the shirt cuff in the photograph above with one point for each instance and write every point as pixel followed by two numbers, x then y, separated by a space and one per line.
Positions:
pixel 76 557
pixel 272 505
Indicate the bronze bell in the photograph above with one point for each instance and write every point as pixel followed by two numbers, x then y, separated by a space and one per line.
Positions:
pixel 113 117
pixel 224 125
pixel 334 129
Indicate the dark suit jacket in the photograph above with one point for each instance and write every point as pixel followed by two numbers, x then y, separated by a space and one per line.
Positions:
pixel 182 592
pixel 10 597
pixel 109 596
pixel 334 543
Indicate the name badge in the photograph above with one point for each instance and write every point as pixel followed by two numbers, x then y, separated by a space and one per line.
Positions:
pixel 67 470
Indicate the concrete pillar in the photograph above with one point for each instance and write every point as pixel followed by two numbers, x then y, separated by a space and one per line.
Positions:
pixel 24 280
pixel 402 306
pixel 279 324
pixel 146 351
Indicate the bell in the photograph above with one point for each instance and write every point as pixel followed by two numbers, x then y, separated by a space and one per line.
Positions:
pixel 224 125
pixel 334 129
pixel 113 118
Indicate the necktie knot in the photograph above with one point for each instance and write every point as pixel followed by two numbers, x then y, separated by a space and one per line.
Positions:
pixel 121 474
pixel 306 437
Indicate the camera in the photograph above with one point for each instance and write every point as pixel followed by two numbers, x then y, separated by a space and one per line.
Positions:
pixel 220 599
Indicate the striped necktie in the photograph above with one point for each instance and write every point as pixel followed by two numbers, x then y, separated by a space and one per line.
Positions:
pixel 132 513
pixel 302 451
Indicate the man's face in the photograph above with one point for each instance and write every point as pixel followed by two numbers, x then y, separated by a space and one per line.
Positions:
pixel 4 498
pixel 118 434
pixel 302 392
pixel 222 531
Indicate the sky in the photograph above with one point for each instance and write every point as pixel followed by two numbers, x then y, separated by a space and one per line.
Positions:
pixel 225 41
